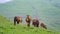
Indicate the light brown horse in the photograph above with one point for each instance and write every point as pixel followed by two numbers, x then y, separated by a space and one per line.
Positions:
pixel 43 25
pixel 28 20
pixel 17 19
pixel 35 22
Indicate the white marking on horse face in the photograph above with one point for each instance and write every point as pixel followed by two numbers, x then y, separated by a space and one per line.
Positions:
pixel 27 19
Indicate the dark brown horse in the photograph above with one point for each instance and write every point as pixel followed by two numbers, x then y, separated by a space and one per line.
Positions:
pixel 17 19
pixel 28 20
pixel 35 22
pixel 43 25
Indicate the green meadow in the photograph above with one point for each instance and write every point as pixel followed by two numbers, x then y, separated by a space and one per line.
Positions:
pixel 7 27
pixel 47 11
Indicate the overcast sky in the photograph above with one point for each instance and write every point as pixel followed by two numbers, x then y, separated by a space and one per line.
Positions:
pixel 4 1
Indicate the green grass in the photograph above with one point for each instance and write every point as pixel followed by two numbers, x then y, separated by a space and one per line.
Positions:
pixel 7 27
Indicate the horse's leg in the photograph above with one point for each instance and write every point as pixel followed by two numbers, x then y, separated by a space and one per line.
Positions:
pixel 37 25
pixel 17 22
pixel 28 24
pixel 33 24
pixel 14 22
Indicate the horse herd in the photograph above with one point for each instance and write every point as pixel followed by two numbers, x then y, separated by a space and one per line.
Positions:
pixel 35 22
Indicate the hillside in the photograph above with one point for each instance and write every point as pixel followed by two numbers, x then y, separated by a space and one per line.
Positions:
pixel 48 11
pixel 7 27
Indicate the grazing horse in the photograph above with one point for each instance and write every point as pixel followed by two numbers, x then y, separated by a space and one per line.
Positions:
pixel 43 25
pixel 35 22
pixel 28 20
pixel 17 19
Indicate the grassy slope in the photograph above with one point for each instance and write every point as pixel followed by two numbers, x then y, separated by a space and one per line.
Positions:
pixel 7 27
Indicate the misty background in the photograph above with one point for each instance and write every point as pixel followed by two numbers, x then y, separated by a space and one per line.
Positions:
pixel 48 11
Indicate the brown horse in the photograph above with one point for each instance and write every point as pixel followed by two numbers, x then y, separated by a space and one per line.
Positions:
pixel 28 20
pixel 17 19
pixel 35 22
pixel 43 25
